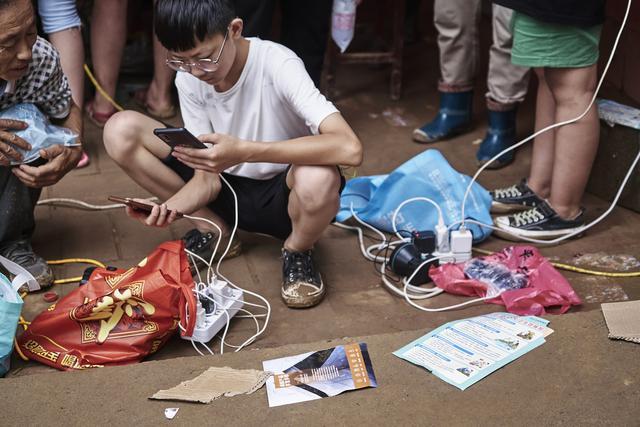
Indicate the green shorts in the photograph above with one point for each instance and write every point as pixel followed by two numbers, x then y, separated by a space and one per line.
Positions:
pixel 539 44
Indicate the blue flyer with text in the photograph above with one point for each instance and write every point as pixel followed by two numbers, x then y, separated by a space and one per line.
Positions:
pixel 465 351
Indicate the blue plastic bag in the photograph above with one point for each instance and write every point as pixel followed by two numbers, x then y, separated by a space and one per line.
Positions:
pixel 375 198
pixel 10 308
pixel 40 133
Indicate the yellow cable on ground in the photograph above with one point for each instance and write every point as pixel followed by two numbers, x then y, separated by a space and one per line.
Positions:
pixel 100 89
pixel 73 261
pixel 575 269
pixel 20 353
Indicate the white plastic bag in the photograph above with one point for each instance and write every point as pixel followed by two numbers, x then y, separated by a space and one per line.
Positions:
pixel 39 133
pixel 343 22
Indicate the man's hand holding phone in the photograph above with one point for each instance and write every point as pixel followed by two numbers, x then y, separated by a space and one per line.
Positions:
pixel 227 151
pixel 148 212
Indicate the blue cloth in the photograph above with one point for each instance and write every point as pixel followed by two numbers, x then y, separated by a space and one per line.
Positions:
pixel 375 198
pixel 58 15
pixel 10 308
pixel 40 133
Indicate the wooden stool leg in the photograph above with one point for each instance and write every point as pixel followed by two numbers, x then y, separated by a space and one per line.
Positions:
pixel 398 44
pixel 331 60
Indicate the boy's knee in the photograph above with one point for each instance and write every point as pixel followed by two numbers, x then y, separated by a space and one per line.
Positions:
pixel 121 134
pixel 316 186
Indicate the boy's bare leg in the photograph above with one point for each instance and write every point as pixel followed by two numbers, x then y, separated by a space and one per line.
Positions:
pixel 576 144
pixel 129 140
pixel 313 203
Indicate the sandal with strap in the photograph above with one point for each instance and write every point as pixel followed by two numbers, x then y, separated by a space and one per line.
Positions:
pixel 97 118
pixel 140 98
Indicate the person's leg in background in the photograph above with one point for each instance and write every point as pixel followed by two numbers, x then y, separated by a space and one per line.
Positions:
pixel 156 99
pixel 17 204
pixel 576 144
pixel 565 58
pixel 62 24
pixel 257 16
pixel 542 159
pixel 305 30
pixel 108 37
pixel 508 86
pixel 458 41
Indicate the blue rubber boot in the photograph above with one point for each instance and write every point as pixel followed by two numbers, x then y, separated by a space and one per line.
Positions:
pixel 453 118
pixel 500 135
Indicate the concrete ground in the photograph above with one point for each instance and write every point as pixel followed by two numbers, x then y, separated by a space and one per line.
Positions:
pixel 577 377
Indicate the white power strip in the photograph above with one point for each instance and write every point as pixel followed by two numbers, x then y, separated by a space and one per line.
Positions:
pixel 458 248
pixel 228 301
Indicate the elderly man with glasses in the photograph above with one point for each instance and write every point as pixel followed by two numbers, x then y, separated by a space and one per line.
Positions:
pixel 30 73
pixel 271 135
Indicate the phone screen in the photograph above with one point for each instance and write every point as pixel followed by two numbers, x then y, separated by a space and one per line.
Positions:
pixel 178 136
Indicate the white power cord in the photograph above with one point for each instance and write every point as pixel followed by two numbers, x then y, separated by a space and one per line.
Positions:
pixel 554 126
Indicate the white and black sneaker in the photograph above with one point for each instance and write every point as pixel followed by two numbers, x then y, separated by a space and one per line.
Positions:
pixel 516 198
pixel 541 222
pixel 302 284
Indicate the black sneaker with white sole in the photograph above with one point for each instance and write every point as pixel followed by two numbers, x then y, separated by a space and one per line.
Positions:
pixel 203 245
pixel 302 284
pixel 516 198
pixel 541 222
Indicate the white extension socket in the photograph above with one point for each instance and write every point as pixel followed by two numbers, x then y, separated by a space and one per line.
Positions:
pixel 228 299
pixel 459 250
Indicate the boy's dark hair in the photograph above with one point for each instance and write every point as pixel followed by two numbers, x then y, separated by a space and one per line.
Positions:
pixel 179 24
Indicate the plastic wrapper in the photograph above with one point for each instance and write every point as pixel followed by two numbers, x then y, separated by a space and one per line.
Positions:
pixel 118 316
pixel 519 277
pixel 343 22
pixel 618 114
pixel 40 133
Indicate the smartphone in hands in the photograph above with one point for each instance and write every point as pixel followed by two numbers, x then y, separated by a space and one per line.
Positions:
pixel 136 205
pixel 178 137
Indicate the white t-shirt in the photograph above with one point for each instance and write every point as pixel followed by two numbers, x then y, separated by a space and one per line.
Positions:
pixel 273 100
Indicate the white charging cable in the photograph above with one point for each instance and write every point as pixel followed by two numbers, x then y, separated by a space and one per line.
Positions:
pixel 554 126
pixel 212 274
pixel 411 200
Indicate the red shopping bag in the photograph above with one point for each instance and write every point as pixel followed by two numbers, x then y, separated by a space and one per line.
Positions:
pixel 118 317
pixel 524 281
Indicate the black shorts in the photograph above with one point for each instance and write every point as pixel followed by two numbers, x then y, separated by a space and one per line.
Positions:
pixel 262 204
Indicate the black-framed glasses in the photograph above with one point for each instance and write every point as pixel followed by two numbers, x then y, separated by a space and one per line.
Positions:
pixel 206 64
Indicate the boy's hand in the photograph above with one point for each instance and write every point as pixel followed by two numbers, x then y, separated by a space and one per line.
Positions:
pixel 227 151
pixel 160 215
pixel 60 160
pixel 8 139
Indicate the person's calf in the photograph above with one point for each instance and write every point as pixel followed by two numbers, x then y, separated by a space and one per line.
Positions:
pixel 313 203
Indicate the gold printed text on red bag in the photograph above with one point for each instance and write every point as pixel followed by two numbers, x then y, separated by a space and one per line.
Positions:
pixel 119 314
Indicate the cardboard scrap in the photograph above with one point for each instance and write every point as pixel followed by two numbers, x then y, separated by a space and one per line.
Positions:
pixel 215 382
pixel 623 320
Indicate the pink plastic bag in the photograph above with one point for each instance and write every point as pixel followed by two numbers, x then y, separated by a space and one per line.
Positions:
pixel 524 281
